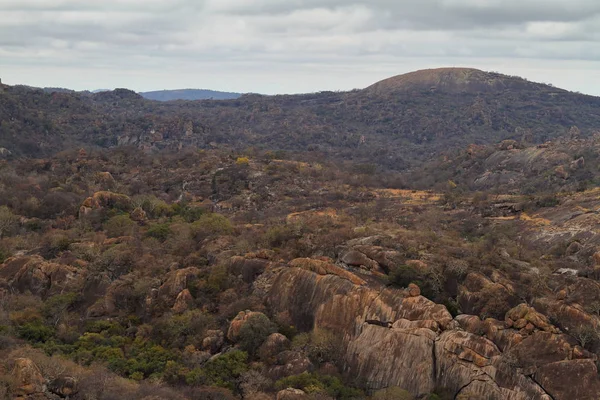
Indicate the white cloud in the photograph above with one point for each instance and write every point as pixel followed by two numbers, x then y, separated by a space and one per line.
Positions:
pixel 294 45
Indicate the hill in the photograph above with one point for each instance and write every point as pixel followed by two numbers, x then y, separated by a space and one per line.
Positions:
pixel 396 124
pixel 189 94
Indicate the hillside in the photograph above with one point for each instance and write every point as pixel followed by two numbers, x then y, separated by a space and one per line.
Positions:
pixel 193 275
pixel 189 94
pixel 396 124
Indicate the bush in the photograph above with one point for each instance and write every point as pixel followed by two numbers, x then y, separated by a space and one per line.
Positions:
pixel 404 275
pixel 159 231
pixel 211 225
pixel 392 393
pixel 225 370
pixel 119 225
pixel 313 383
pixel 254 332
pixel 35 332
pixel 8 221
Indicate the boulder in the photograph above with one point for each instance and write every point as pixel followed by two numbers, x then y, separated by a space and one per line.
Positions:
pixel 64 386
pixel 570 379
pixel 413 290
pixel 183 302
pixel 40 277
pixel 273 345
pixel 523 315
pixel 288 363
pixel 213 341
pixel 27 377
pixel 175 282
pixel 248 268
pixel 292 394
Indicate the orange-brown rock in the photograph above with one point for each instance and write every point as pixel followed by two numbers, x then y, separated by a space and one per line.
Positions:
pixel 389 339
pixel 27 377
pixel 393 357
pixel 183 302
pixel 570 379
pixel 325 268
pixel 175 282
pixel 414 290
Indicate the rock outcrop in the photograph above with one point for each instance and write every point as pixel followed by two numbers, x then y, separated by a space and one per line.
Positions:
pixel 40 277
pixel 27 377
pixel 399 338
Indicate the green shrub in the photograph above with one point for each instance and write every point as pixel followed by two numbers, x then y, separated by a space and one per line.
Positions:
pixel 35 332
pixel 313 383
pixel 119 225
pixel 159 231
pixel 211 225
pixel 254 332
pixel 392 393
pixel 404 275
pixel 225 370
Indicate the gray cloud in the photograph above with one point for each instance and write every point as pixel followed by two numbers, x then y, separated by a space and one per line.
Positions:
pixel 247 37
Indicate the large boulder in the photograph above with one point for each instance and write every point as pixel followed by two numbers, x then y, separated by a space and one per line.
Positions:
pixel 288 363
pixel 175 282
pixel 273 345
pixel 27 377
pixel 64 386
pixel 40 277
pixel 183 302
pixel 105 199
pixel 292 394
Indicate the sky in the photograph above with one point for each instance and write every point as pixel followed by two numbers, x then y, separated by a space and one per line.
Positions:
pixel 292 46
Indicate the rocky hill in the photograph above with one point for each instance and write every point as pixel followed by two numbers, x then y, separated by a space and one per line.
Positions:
pixel 396 124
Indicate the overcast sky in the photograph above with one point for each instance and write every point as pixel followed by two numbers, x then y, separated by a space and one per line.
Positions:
pixel 290 46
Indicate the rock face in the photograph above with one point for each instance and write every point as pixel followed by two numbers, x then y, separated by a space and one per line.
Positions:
pixel 397 338
pixel 105 199
pixel 28 378
pixel 183 301
pixel 40 277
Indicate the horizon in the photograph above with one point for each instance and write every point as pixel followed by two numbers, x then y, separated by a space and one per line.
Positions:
pixel 95 90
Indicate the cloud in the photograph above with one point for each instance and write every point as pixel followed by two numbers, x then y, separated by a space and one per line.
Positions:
pixel 245 36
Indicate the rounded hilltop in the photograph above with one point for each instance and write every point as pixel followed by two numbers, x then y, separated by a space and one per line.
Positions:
pixel 451 80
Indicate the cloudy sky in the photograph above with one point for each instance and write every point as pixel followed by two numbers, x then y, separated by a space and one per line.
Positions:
pixel 290 46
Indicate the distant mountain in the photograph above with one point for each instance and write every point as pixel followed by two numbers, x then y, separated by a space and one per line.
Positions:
pixel 189 94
